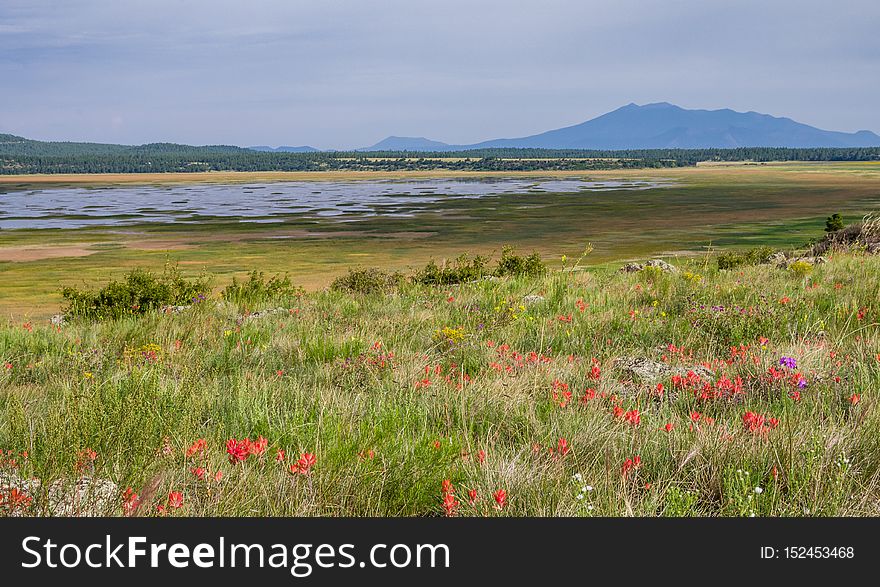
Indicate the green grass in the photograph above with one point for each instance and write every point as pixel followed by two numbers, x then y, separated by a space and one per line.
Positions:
pixel 339 375
pixel 726 207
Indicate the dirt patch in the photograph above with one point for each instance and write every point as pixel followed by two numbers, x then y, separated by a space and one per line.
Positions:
pixel 27 253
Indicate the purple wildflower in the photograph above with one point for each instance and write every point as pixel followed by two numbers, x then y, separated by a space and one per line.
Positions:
pixel 789 362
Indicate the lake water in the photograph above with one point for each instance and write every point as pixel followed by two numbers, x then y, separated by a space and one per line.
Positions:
pixel 77 207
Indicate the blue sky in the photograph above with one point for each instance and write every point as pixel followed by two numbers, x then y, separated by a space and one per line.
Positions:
pixel 337 73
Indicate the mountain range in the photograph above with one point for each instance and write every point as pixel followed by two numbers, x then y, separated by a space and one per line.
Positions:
pixel 660 126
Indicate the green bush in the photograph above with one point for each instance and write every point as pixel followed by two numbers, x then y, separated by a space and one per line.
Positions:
pixel 834 223
pixel 257 289
pixel 464 268
pixel 733 259
pixel 367 281
pixel 139 292
pixel 515 265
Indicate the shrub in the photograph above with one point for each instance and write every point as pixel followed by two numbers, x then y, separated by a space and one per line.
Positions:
pixel 800 268
pixel 367 281
pixel 139 292
pixel 257 289
pixel 733 259
pixel 515 265
pixel 463 269
pixel 833 223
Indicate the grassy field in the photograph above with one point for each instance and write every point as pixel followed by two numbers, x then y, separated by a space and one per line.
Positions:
pixel 584 391
pixel 470 400
pixel 715 206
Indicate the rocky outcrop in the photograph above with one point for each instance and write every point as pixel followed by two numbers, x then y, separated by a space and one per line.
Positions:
pixel 649 371
pixel 658 263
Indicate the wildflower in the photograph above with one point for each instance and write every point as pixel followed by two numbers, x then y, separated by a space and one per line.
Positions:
pixel 85 459
pixel 632 417
pixel 630 464
pixel 450 504
pixel 304 464
pixel 855 398
pixel 130 502
pixel 500 499
pixel 238 450
pixel 258 447
pixel 175 499
pixel 198 447
pixel 789 362
pixel 562 446
pixel 481 456
pixel 280 456
pixel 472 496
pixel 669 427
pixel 199 472
pixel 758 490
pixel 695 416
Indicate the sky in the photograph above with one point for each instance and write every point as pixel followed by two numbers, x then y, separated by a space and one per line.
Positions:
pixel 347 73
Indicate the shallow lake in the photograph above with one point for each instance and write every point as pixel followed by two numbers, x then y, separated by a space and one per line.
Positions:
pixel 78 207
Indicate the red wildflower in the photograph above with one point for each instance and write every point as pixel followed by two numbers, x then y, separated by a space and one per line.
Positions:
pixel 304 464
pixel 257 447
pixel 500 499
pixel 238 450
pixel 481 456
pixel 280 456
pixel 669 427
pixel 198 447
pixel 855 398
pixel 175 499
pixel 562 446
pixel 472 496
pixel 130 502
pixel 450 504
pixel 632 417
pixel 630 464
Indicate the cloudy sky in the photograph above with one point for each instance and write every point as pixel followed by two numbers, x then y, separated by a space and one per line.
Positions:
pixel 347 73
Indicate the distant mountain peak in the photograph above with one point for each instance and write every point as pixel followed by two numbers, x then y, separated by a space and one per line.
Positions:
pixel 661 125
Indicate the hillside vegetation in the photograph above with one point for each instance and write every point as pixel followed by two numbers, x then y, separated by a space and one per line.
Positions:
pixel 696 392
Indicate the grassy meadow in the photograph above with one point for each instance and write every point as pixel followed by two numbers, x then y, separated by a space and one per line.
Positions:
pixel 580 391
pixel 507 396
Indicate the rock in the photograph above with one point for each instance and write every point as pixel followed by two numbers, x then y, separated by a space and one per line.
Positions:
pixel 643 369
pixel 650 371
pixel 57 320
pixel 262 314
pixel 786 263
pixel 658 263
pixel 532 299
pixel 173 309
pixel 777 258
pixel 85 497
